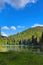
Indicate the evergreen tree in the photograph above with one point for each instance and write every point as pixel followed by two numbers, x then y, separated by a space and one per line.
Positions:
pixel 20 43
pixel 34 43
pixel 41 42
pixel 42 38
pixel 29 43
pixel 33 40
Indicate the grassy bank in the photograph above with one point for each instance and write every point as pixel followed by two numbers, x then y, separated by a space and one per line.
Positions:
pixel 20 58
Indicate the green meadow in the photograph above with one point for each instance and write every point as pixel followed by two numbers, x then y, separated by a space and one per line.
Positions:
pixel 20 58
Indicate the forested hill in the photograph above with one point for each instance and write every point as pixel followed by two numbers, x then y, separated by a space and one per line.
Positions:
pixel 27 34
pixel 31 36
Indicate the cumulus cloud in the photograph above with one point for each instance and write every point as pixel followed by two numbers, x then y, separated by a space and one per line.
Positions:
pixel 35 25
pixel 5 28
pixel 4 34
pixel 13 28
pixel 16 3
pixel 20 26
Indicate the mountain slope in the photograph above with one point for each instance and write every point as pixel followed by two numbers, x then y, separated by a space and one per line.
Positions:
pixel 27 34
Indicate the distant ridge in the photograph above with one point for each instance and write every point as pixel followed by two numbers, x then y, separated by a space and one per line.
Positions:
pixel 3 36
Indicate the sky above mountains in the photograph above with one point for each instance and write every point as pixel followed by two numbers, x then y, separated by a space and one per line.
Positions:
pixel 18 15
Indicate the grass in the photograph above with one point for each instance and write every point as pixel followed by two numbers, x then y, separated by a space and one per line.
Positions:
pixel 20 58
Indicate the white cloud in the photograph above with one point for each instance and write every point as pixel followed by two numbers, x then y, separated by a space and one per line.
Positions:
pixel 20 26
pixel 35 25
pixel 2 5
pixel 19 3
pixel 16 3
pixel 4 34
pixel 5 28
pixel 13 28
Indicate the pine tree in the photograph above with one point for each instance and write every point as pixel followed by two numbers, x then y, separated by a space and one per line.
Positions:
pixel 42 38
pixel 41 42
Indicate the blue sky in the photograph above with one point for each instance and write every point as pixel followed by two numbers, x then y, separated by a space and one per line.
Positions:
pixel 18 15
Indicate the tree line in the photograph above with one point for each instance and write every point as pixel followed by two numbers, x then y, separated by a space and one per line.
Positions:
pixel 32 43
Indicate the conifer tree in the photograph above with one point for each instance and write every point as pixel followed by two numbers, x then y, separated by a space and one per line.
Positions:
pixel 41 42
